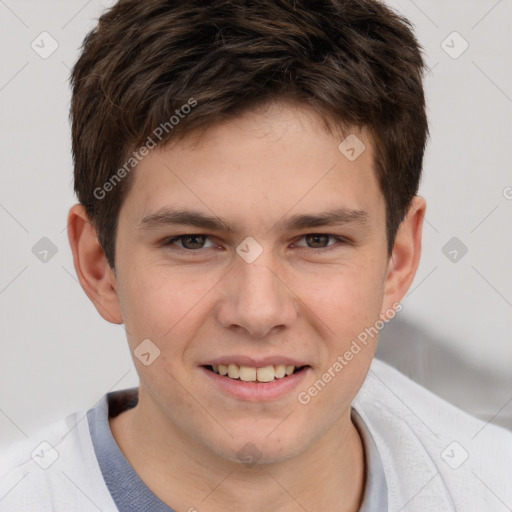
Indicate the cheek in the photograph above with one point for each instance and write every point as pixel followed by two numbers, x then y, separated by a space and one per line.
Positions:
pixel 345 301
pixel 164 305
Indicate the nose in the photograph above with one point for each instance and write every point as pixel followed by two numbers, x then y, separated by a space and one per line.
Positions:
pixel 257 298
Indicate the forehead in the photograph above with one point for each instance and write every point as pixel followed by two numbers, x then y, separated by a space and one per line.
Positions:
pixel 260 164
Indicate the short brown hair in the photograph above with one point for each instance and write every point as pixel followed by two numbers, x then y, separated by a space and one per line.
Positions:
pixel 356 62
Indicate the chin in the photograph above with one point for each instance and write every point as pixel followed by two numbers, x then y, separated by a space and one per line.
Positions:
pixel 258 449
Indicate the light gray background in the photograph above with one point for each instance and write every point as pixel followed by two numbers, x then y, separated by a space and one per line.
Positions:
pixel 454 332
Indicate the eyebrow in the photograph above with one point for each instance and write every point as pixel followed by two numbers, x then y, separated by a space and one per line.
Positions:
pixel 171 217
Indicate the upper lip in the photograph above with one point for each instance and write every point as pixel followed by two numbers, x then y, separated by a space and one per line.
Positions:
pixel 254 362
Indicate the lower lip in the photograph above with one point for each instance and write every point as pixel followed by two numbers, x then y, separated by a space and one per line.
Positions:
pixel 257 391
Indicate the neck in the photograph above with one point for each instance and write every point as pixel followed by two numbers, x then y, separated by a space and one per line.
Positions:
pixel 186 476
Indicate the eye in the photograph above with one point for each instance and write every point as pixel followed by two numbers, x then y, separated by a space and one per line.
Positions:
pixel 189 242
pixel 320 240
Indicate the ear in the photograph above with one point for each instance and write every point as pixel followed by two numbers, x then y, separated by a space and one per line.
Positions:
pixel 405 256
pixel 94 273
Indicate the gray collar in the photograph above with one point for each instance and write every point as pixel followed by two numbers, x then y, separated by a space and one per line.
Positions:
pixel 130 493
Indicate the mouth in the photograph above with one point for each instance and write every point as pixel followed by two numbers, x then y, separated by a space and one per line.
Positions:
pixel 270 382
pixel 263 374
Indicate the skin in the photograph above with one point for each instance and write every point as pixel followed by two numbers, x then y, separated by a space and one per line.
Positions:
pixel 297 298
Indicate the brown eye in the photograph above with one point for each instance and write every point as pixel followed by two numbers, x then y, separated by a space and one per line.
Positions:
pixel 321 241
pixel 317 240
pixel 191 242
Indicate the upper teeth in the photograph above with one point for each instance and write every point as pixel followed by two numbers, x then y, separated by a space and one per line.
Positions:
pixel 250 374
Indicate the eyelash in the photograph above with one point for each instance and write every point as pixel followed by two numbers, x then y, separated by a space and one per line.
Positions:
pixel 341 240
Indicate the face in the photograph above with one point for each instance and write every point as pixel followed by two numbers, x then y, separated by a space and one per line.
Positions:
pixel 259 246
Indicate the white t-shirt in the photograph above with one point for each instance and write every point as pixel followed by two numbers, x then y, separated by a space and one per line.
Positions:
pixel 422 454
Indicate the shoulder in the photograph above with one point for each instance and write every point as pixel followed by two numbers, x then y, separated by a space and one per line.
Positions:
pixel 450 459
pixel 54 470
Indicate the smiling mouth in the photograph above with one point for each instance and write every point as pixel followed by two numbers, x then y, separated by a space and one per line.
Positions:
pixel 252 374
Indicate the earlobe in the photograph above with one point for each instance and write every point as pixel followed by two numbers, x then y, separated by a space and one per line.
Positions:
pixel 405 257
pixel 91 265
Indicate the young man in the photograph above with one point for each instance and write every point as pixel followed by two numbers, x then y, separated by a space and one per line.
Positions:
pixel 247 176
